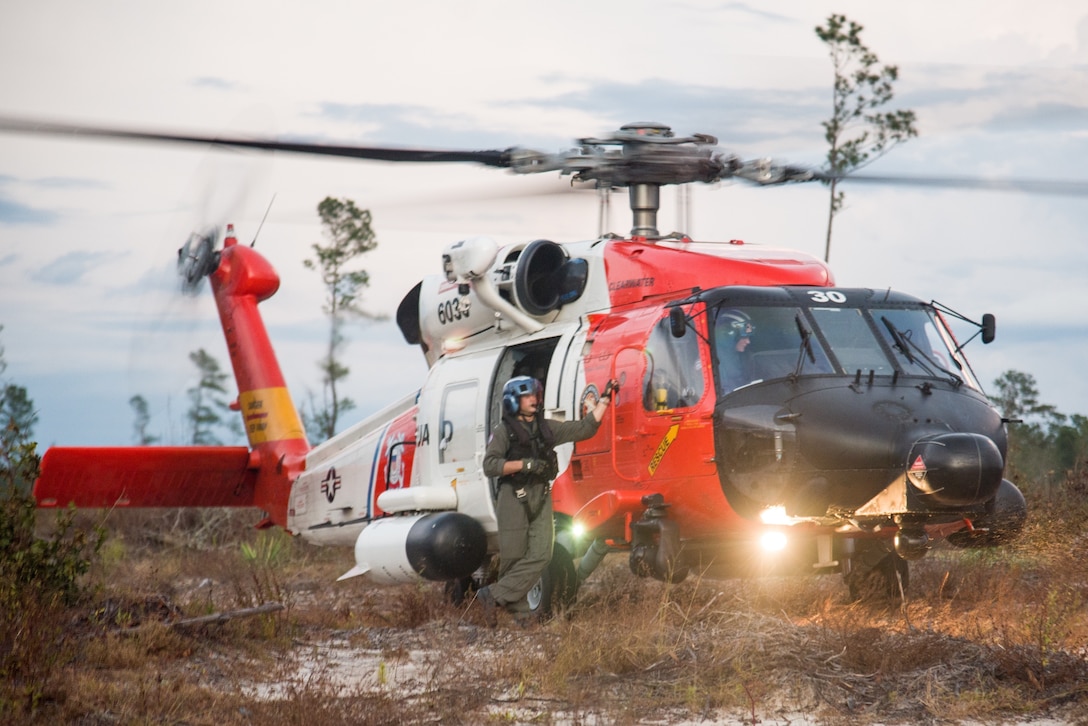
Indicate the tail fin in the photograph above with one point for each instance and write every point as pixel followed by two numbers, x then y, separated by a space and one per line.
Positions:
pixel 242 279
pixel 203 476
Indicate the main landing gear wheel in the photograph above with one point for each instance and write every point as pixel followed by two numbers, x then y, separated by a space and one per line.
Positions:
pixel 557 587
pixel 655 543
pixel 877 572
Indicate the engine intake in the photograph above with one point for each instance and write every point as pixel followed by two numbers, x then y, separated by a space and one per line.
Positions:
pixel 546 279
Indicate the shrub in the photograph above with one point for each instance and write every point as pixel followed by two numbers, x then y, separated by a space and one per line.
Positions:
pixel 39 578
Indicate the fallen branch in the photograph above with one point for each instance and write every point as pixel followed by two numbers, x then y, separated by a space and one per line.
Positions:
pixel 270 607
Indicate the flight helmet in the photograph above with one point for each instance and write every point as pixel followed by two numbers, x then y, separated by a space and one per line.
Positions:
pixel 517 387
pixel 735 323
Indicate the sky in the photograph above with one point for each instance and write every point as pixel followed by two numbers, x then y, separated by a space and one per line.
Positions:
pixel 89 230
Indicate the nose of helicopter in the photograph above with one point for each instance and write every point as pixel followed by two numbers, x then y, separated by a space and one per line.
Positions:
pixel 837 448
pixel 945 442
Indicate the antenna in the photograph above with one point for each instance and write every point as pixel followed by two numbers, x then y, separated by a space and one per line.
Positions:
pixel 259 226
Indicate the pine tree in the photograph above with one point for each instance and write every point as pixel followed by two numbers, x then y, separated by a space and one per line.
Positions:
pixel 206 404
pixel 143 418
pixel 17 420
pixel 350 235
pixel 856 133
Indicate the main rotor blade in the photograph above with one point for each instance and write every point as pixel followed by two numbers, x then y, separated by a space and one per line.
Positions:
pixel 495 158
pixel 681 161
pixel 1050 187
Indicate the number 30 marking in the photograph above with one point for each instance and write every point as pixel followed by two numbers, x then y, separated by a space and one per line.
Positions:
pixel 833 296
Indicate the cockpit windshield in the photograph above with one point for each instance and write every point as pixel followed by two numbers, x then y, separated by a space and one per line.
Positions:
pixel 781 333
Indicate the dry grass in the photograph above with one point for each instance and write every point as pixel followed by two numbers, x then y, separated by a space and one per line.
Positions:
pixel 985 636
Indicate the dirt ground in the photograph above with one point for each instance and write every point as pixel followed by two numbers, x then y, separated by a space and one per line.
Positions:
pixel 995 636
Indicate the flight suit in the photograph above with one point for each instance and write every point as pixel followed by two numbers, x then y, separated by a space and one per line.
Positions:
pixel 526 526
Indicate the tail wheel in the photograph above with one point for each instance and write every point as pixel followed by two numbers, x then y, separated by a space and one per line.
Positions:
pixel 457 591
pixel 557 588
pixel 462 589
pixel 877 572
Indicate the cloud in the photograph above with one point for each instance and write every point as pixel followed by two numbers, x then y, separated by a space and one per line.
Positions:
pixel 67 183
pixel 1042 117
pixel 380 116
pixel 71 267
pixel 12 212
pixel 746 9
pixel 54 182
pixel 757 119
pixel 744 113
pixel 409 125
pixel 216 84
pixel 996 92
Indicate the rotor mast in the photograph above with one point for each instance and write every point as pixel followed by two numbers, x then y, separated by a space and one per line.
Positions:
pixel 645 200
pixel 650 156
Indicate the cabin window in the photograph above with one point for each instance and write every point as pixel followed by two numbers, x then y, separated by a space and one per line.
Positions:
pixel 674 370
pixel 457 434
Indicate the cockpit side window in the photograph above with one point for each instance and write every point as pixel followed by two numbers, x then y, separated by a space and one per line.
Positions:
pixel 919 346
pixel 917 338
pixel 674 370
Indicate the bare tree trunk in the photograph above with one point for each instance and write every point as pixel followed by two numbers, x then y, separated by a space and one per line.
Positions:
pixel 330 372
pixel 830 219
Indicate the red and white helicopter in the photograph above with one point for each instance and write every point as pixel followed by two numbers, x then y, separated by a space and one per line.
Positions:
pixel 767 420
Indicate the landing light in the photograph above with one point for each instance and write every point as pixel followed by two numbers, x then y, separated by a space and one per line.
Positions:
pixel 773 541
pixel 453 345
pixel 577 531
pixel 777 515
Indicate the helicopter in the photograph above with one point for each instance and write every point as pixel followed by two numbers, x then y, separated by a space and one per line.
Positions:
pixel 767 421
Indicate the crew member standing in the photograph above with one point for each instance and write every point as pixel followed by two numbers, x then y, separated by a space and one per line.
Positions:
pixel 521 453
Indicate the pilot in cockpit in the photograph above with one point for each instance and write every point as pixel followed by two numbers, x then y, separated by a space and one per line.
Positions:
pixel 734 330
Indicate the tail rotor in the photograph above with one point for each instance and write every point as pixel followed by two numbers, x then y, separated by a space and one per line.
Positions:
pixel 197 259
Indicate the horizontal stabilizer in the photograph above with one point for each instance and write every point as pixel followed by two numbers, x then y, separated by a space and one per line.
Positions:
pixel 146 476
pixel 354 572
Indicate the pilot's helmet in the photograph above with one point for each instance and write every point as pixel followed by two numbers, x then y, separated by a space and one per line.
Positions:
pixel 517 387
pixel 735 324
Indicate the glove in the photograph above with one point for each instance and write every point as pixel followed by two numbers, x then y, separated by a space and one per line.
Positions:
pixel 534 466
pixel 611 387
